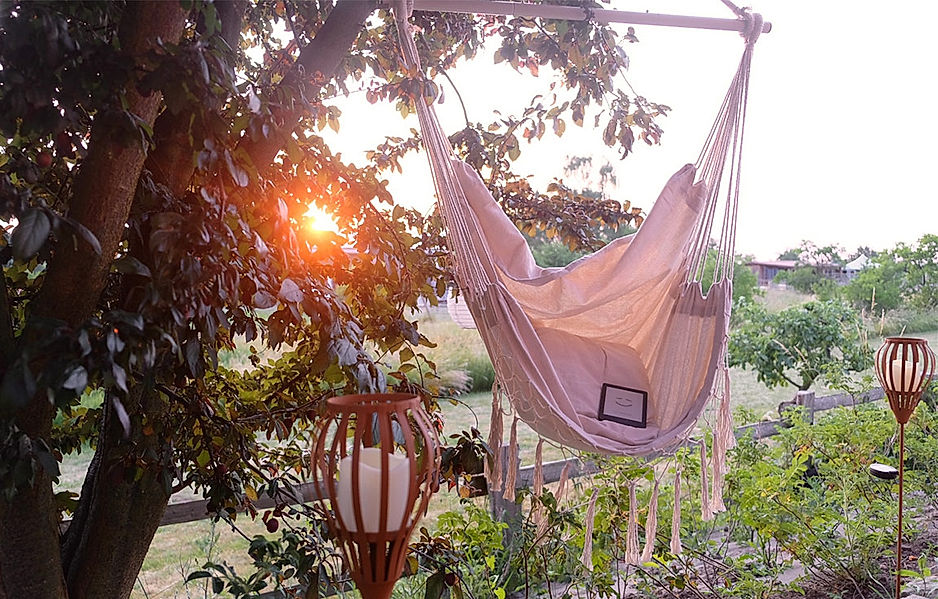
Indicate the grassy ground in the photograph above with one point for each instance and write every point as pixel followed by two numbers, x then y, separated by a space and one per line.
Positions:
pixel 179 549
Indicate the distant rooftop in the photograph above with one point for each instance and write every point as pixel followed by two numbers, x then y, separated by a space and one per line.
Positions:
pixel 774 263
pixel 858 263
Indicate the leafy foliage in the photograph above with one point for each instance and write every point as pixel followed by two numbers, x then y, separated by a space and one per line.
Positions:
pixel 906 274
pixel 799 344
pixel 805 499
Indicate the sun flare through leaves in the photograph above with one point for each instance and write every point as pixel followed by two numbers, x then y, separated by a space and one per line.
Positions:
pixel 317 220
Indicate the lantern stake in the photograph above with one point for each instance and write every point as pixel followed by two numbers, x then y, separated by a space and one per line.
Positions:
pixel 904 366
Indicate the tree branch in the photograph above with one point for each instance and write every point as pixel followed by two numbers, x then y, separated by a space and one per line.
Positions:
pixel 105 184
pixel 7 334
pixel 317 63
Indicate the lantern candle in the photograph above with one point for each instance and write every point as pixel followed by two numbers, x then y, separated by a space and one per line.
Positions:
pixel 912 378
pixel 369 490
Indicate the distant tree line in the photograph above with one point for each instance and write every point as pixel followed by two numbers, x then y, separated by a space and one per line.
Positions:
pixel 904 276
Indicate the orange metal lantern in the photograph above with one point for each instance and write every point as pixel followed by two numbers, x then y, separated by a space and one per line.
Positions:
pixel 377 458
pixel 905 366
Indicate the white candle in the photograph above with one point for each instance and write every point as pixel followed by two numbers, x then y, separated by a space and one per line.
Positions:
pixel 910 382
pixel 369 490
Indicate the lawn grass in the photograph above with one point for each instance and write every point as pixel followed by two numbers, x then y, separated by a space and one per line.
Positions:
pixel 776 299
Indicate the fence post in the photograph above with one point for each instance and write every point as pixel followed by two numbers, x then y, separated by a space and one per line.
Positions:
pixel 805 399
pixel 508 512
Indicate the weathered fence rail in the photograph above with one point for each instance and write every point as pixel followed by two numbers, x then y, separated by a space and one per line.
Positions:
pixel 191 511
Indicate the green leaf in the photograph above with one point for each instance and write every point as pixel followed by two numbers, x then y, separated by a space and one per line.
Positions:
pixel 88 236
pixel 436 585
pixel 203 458
pixel 238 174
pixel 30 234
pixel 122 415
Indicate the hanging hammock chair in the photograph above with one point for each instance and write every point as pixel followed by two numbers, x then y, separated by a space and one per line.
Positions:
pixel 628 325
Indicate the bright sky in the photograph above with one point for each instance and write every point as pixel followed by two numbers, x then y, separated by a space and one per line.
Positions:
pixel 840 134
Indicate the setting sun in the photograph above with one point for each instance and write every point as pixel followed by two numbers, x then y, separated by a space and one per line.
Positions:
pixel 318 219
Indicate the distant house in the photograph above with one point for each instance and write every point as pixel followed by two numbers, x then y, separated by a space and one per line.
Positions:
pixel 852 269
pixel 766 271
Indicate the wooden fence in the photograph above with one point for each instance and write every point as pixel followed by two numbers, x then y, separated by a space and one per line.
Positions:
pixel 190 511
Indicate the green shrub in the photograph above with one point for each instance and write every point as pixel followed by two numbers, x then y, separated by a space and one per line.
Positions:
pixel 803 496
pixel 809 492
pixel 799 344
pixel 826 289
pixel 554 253
pixel 905 321
pixel 803 278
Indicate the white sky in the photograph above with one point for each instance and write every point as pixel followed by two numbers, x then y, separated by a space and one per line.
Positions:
pixel 843 118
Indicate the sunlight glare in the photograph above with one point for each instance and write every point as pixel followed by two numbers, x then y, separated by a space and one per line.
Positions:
pixel 318 220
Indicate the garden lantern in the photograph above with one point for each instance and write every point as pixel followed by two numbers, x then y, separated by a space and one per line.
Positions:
pixel 904 366
pixel 377 459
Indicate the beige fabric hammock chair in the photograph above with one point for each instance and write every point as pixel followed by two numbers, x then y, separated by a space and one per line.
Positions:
pixel 629 324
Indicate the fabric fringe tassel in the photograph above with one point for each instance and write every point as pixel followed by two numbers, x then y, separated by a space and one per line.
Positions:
pixel 632 556
pixel 651 526
pixel 562 483
pixel 706 514
pixel 726 414
pixel 587 558
pixel 511 476
pixel 493 465
pixel 723 441
pixel 676 548
pixel 538 517
pixel 538 485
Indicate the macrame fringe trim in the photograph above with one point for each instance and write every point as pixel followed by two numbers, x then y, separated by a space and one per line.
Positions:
pixel 587 558
pixel 538 485
pixel 723 441
pixel 651 526
pixel 676 548
pixel 538 516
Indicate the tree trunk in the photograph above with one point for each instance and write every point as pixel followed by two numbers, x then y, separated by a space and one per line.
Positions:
pixel 30 563
pixel 171 162
pixel 104 547
pixel 105 184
